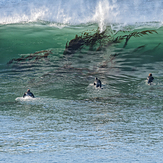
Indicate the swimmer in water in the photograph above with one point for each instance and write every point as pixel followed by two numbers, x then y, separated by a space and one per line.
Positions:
pixel 97 82
pixel 150 78
pixel 28 93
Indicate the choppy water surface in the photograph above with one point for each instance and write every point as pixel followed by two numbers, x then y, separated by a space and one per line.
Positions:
pixel 70 120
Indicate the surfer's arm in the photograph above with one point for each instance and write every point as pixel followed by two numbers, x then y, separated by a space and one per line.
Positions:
pixel 24 95
pixel 32 95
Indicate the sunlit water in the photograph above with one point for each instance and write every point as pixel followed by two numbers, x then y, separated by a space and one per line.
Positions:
pixel 71 120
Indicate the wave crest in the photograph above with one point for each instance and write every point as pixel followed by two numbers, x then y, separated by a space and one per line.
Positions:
pixel 73 12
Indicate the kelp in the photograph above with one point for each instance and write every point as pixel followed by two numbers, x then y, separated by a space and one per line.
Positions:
pixel 139 48
pixel 86 39
pixel 74 45
pixel 133 34
pixel 102 40
pixel 35 56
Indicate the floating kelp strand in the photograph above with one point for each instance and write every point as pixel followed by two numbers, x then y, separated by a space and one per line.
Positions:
pixel 102 40
pixel 134 34
pixel 33 56
pixel 74 45
pixel 86 39
pixel 139 48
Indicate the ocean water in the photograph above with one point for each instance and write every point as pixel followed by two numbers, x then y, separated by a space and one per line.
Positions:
pixel 71 120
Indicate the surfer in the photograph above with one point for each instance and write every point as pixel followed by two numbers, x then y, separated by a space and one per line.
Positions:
pixel 97 82
pixel 150 78
pixel 28 94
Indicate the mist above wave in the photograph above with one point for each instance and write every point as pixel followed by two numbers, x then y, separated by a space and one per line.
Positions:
pixel 73 12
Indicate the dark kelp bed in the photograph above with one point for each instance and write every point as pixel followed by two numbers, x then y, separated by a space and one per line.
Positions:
pixel 98 41
pixel 93 40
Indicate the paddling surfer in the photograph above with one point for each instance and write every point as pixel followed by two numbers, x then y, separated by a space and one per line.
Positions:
pixel 150 78
pixel 28 94
pixel 97 82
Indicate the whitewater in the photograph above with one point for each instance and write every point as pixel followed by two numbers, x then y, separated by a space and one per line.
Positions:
pixel 57 49
pixel 83 12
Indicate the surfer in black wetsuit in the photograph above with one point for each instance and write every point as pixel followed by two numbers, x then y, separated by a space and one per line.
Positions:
pixel 28 93
pixel 97 82
pixel 150 78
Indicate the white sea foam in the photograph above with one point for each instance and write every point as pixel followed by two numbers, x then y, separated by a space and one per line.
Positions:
pixel 32 101
pixel 27 98
pixel 74 12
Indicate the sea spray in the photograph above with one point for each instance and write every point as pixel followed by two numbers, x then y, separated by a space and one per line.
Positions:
pixel 105 13
pixel 71 12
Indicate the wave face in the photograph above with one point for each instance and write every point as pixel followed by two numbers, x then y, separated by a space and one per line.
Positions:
pixel 71 119
pixel 74 12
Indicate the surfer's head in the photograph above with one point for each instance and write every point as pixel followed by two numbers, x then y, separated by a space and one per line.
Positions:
pixel 28 90
pixel 96 78
pixel 150 74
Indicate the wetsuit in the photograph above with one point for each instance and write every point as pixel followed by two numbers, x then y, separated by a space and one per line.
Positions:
pixel 97 83
pixel 28 93
pixel 150 79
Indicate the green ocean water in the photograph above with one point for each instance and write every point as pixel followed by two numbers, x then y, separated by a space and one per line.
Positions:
pixel 70 120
